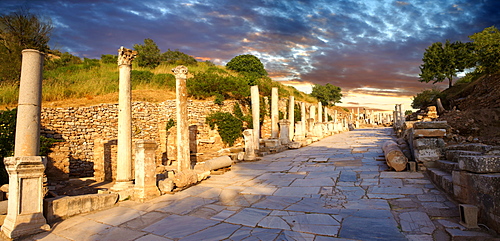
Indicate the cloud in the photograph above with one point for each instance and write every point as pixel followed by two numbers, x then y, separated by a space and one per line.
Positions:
pixel 352 44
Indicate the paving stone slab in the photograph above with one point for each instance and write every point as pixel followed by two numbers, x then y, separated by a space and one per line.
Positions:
pixel 416 222
pixel 296 191
pixel 176 226
pixel 248 216
pixel 372 229
pixel 218 232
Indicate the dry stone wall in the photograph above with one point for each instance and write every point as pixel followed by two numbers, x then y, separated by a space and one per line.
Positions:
pixel 78 129
pixel 88 135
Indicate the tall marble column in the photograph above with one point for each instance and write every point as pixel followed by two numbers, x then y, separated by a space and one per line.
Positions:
pixel 284 132
pixel 312 112
pixel 274 113
pixel 124 155
pixel 25 168
pixel 303 116
pixel 291 117
pixel 254 92
pixel 326 114
pixel 320 112
pixel 183 157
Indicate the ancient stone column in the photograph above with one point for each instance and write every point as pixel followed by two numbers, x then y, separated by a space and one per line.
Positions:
pixel 249 145
pixel 335 116
pixel 303 117
pixel 181 104
pixel 274 113
pixel 284 132
pixel 320 112
pixel 254 91
pixel 124 155
pixel 29 107
pixel 326 114
pixel 291 117
pixel 312 112
pixel 145 171
pixel 25 168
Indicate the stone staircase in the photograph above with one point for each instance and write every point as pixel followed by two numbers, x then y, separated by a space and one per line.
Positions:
pixel 471 174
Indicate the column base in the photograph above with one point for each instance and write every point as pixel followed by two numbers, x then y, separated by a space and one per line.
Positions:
pixel 147 193
pixel 125 190
pixel 24 225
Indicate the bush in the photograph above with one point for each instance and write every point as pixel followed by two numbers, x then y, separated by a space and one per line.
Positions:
pixel 109 59
pixel 424 99
pixel 213 83
pixel 138 77
pixel 229 127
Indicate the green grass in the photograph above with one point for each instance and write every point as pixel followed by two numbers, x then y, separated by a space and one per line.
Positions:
pixel 86 81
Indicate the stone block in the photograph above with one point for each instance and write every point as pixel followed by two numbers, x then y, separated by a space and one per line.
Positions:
pixel 294 145
pixel 477 147
pixel 468 215
pixel 426 133
pixel 480 164
pixel 454 155
pixel 428 143
pixel 59 208
pixel 166 185
pixel 430 125
pixel 271 142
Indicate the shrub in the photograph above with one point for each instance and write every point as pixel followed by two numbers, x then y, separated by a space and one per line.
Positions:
pixel 425 98
pixel 138 77
pixel 229 127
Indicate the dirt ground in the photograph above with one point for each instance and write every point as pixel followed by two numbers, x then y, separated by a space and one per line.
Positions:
pixel 474 111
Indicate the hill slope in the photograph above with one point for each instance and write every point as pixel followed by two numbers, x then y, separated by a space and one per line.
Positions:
pixel 475 111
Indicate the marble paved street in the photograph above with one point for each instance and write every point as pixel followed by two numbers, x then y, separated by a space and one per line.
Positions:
pixel 335 189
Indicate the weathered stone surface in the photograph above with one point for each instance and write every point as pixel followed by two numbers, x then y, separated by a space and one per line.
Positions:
pixel 430 125
pixel 166 185
pixel 185 178
pixel 58 208
pixel 477 147
pixel 419 133
pixel 479 164
pixel 454 155
pixel 217 163
pixel 428 149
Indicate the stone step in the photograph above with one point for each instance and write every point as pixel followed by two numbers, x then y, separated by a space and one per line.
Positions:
pixel 442 179
pixel 447 166
pixel 454 155
pixel 470 147
pixel 480 164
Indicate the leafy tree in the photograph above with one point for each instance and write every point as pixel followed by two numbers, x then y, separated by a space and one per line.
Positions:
pixel 148 54
pixel 445 61
pixel 327 94
pixel 18 31
pixel 177 57
pixel 248 65
pixel 487 49
pixel 425 98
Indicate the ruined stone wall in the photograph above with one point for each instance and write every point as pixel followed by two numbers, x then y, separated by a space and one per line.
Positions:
pixel 78 128
pixel 87 134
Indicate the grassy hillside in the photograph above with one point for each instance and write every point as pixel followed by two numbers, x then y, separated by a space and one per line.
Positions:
pixel 94 82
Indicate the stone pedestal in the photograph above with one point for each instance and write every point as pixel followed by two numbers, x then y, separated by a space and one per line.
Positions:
pixel 284 132
pixel 183 157
pixel 249 145
pixel 274 113
pixel 124 155
pixel 25 212
pixel 145 176
pixel 254 92
pixel 299 132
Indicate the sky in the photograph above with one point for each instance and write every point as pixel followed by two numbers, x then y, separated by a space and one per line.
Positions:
pixel 371 49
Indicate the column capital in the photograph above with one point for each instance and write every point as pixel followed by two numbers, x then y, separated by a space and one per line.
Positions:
pixel 180 72
pixel 125 56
